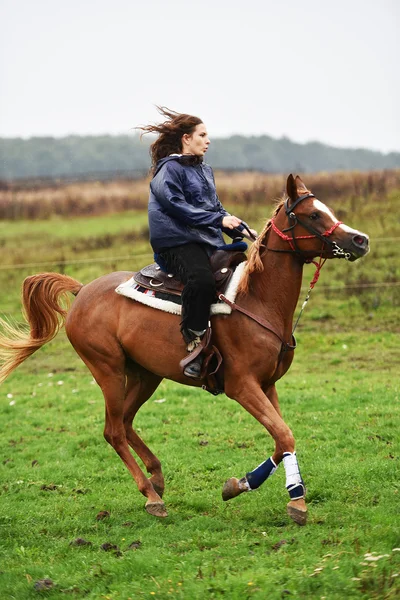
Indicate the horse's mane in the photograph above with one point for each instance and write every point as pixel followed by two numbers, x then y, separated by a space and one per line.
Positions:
pixel 256 252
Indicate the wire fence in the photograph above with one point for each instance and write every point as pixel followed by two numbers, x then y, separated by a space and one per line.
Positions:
pixel 356 286
pixel 133 258
pixel 80 261
pixel 101 259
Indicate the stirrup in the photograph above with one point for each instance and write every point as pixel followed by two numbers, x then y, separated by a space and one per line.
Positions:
pixel 192 364
pixel 193 369
pixel 197 333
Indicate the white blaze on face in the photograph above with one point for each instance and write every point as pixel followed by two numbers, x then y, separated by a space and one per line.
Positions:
pixel 348 229
pixel 321 207
pixel 318 205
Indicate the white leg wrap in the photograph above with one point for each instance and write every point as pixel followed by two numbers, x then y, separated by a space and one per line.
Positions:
pixel 293 477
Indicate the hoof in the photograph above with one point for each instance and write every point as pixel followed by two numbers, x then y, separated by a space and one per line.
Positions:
pixel 157 509
pixel 297 510
pixel 232 488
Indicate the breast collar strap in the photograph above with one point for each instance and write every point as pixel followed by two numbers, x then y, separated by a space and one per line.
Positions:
pixel 263 322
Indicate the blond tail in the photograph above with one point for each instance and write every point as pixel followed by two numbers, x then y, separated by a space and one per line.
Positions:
pixel 40 298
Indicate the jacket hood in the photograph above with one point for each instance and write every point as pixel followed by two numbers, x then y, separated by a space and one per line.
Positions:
pixel 184 159
pixel 162 162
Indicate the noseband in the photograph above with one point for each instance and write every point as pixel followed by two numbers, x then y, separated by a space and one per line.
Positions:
pixel 292 239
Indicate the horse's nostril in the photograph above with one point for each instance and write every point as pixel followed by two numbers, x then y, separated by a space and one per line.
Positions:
pixel 360 240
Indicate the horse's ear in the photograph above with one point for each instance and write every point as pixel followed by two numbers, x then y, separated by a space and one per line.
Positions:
pixel 300 185
pixel 291 188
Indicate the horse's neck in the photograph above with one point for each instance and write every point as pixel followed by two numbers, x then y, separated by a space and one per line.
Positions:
pixel 274 292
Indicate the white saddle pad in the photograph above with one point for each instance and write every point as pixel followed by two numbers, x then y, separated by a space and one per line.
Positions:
pixel 129 289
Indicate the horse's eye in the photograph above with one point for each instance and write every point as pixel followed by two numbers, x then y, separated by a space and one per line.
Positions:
pixel 314 216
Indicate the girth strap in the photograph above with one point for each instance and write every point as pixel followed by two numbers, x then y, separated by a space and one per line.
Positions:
pixel 263 322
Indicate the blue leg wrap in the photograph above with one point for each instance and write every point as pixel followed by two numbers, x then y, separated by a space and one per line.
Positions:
pixel 297 492
pixel 261 473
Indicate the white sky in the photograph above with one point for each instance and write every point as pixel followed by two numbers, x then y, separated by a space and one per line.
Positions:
pixel 308 70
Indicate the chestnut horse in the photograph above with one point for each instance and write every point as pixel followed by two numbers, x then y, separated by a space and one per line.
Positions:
pixel 130 347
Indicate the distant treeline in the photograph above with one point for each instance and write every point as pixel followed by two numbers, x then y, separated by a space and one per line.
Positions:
pixel 128 155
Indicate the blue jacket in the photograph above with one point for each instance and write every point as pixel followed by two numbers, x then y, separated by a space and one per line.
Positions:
pixel 184 206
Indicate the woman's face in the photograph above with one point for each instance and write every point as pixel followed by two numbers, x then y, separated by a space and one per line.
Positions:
pixel 197 142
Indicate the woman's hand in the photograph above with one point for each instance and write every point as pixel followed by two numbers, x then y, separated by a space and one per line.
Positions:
pixel 230 222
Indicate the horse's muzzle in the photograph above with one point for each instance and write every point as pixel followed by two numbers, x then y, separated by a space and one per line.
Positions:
pixel 361 241
pixel 359 246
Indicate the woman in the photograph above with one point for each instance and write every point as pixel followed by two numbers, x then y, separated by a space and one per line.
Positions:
pixel 186 219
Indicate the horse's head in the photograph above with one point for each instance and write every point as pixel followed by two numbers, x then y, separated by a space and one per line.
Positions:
pixel 312 229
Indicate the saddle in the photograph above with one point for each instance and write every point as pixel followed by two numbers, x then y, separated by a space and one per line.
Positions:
pixel 223 264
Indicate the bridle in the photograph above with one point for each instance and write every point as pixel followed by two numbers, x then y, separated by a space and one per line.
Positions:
pixel 294 249
pixel 292 239
pixel 337 251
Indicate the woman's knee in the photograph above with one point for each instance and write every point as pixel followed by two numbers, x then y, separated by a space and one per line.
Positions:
pixel 203 279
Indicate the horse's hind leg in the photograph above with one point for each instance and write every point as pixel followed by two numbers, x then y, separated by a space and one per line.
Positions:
pixel 139 387
pixel 108 369
pixel 113 387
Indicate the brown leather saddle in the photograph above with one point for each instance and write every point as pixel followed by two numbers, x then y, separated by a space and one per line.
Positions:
pixel 223 264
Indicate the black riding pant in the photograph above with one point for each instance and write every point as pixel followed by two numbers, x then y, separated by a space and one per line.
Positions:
pixel 191 263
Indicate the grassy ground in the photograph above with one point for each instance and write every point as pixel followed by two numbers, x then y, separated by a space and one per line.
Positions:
pixel 58 476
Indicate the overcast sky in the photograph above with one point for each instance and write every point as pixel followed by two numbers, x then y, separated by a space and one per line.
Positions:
pixel 309 70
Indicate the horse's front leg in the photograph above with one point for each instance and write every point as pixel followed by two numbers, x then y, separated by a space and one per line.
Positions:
pixel 252 480
pixel 265 408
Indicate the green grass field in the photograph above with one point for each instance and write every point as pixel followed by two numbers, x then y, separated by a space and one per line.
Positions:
pixel 341 399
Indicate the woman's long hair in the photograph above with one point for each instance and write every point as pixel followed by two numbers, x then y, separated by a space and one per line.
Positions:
pixel 170 133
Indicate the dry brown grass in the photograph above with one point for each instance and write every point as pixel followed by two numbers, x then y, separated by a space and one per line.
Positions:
pixel 252 187
pixel 72 199
pixel 41 200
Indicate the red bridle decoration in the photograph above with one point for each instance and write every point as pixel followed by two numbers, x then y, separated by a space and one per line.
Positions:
pixel 319 266
pixel 289 239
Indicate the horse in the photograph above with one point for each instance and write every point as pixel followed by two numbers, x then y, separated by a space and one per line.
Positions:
pixel 130 347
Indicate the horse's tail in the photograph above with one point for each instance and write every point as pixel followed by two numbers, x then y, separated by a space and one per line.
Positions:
pixel 41 295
